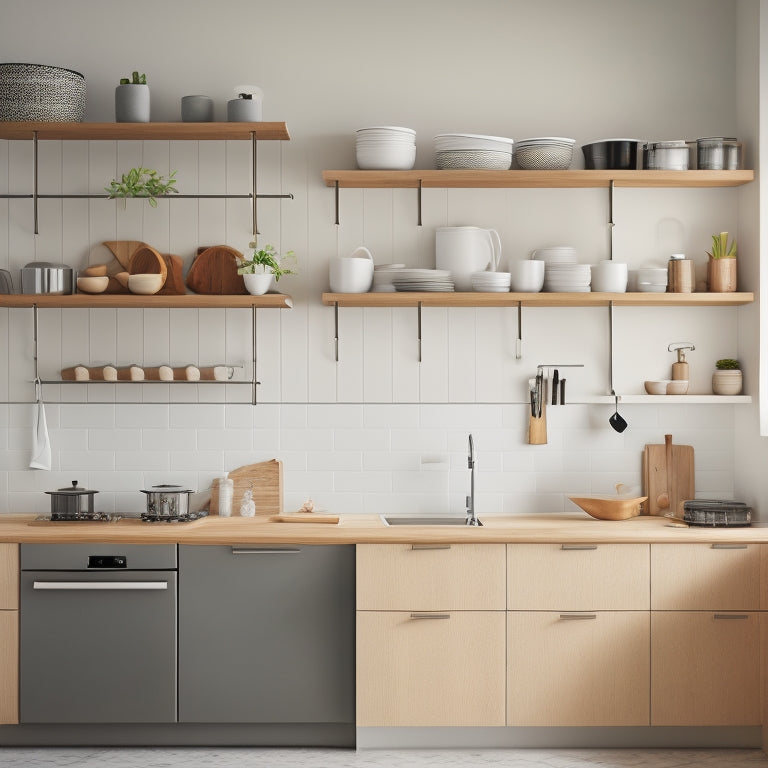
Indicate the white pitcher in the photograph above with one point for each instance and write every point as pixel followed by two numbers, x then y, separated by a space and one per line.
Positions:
pixel 464 250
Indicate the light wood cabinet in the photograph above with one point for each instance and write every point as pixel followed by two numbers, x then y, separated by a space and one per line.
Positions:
pixel 705 577
pixel 430 668
pixel 578 577
pixel 578 669
pixel 431 635
pixel 705 668
pixel 9 634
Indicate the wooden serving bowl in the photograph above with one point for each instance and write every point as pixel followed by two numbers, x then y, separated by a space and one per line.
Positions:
pixel 609 507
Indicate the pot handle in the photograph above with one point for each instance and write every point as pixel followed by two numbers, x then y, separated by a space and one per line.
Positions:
pixel 495 249
pixel 361 252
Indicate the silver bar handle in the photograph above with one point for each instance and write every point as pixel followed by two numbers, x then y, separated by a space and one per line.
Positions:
pixel 729 546
pixel 577 547
pixel 424 615
pixel 731 616
pixel 430 546
pixel 577 616
pixel 265 551
pixel 100 585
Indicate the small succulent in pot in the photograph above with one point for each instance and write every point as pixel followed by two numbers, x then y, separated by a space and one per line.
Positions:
pixel 267 260
pixel 136 79
pixel 720 249
pixel 728 364
pixel 727 379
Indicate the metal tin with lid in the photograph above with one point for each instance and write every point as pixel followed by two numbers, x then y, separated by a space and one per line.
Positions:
pixel 666 155
pixel 168 503
pixel 71 503
pixel 718 153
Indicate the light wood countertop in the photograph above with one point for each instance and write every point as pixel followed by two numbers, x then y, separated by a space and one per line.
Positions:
pixel 366 529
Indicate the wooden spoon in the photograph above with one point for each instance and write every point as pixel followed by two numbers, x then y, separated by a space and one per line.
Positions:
pixel 663 498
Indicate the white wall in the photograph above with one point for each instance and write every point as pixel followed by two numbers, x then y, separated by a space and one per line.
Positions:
pixel 544 68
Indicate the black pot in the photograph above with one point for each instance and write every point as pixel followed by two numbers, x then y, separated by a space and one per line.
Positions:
pixel 611 154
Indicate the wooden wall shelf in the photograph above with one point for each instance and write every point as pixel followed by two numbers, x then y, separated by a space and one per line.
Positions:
pixel 130 300
pixel 144 131
pixel 533 179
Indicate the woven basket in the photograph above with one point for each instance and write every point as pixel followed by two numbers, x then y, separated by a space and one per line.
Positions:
pixel 35 92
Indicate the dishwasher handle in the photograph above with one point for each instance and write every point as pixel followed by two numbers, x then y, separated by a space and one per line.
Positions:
pixel 100 585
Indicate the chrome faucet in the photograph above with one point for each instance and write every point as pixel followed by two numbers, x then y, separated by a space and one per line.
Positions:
pixel 471 515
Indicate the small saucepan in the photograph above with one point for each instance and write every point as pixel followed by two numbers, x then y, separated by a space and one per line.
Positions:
pixel 71 503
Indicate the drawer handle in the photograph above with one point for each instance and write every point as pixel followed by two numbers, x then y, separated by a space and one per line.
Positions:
pixel 430 546
pixel 577 616
pixel 95 585
pixel 732 616
pixel 419 616
pixel 577 547
pixel 729 546
pixel 264 551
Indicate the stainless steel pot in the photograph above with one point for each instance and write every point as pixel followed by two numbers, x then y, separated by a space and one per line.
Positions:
pixel 47 277
pixel 71 503
pixel 167 502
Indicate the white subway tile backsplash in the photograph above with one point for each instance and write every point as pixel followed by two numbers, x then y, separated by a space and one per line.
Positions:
pixel 87 460
pixel 112 439
pixel 145 460
pixel 202 416
pixel 341 461
pixel 224 439
pixel 336 416
pixel 169 439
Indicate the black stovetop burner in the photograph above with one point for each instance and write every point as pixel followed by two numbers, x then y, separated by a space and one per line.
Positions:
pixel 148 517
pixel 82 517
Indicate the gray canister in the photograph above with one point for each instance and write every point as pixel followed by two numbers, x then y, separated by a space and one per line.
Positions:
pixel 246 108
pixel 196 109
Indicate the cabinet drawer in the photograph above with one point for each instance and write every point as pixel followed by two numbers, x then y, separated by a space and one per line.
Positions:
pixel 9 577
pixel 578 577
pixel 430 668
pixel 705 668
pixel 430 577
pixel 705 577
pixel 578 669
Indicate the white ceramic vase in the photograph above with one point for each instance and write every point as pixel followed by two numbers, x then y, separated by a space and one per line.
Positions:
pixel 258 284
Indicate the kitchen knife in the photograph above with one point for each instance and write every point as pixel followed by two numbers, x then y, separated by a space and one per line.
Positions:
pixel 555 379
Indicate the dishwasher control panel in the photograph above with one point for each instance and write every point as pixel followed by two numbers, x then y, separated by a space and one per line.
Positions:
pixel 107 561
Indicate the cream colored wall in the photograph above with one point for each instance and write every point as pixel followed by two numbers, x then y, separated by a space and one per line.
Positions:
pixel 588 70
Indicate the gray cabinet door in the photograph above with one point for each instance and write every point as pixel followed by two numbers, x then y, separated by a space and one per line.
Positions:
pixel 267 634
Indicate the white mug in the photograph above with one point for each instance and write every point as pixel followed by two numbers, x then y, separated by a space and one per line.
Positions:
pixel 352 274
pixel 526 275
pixel 464 250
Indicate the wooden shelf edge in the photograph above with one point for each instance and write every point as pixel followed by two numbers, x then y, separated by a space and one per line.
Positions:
pixel 132 301
pixel 352 179
pixel 448 299
pixel 641 399
pixel 272 131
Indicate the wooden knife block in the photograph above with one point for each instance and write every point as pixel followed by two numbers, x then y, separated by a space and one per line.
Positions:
pixel 537 427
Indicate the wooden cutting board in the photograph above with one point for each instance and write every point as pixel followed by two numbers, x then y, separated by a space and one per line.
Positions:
pixel 147 261
pixel 214 271
pixel 668 477
pixel 174 281
pixel 265 479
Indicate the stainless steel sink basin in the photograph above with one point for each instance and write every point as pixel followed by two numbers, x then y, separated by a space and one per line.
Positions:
pixel 425 520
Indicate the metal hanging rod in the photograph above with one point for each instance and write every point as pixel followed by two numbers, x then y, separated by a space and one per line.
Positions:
pixel 247 196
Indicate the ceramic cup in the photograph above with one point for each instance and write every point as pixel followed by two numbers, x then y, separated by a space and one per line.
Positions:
pixel 196 109
pixel 352 274
pixel 610 277
pixel 526 275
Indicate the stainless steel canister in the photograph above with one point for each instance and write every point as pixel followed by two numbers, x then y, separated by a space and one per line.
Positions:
pixel 167 502
pixel 717 153
pixel 47 277
pixel 71 503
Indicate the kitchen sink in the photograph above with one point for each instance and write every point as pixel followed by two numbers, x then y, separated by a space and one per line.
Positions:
pixel 430 520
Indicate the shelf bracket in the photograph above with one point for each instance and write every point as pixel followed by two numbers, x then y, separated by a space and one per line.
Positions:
pixel 336 330
pixel 34 180
pixel 254 159
pixel 418 204
pixel 611 223
pixel 610 350
pixel 418 322
pixel 254 347
pixel 336 200
pixel 34 342
pixel 519 340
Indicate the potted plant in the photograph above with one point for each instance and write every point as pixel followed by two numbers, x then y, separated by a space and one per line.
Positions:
pixel 727 380
pixel 264 266
pixel 132 99
pixel 142 182
pixel 721 267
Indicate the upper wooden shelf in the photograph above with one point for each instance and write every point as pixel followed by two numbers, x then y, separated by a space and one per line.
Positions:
pixel 534 179
pixel 145 131
pixel 130 300
pixel 449 299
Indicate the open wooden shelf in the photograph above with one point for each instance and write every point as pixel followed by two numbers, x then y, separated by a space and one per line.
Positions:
pixel 144 131
pixel 130 300
pixel 471 299
pixel 533 179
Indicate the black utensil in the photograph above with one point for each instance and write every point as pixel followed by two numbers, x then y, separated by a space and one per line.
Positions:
pixel 617 420
pixel 555 392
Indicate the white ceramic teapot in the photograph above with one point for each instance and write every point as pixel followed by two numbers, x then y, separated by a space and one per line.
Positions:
pixel 464 250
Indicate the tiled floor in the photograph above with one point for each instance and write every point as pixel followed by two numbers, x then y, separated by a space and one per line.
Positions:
pixel 325 758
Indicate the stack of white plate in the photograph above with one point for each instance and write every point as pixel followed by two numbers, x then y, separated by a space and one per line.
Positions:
pixel 383 275
pixel 423 280
pixel 550 153
pixel 567 278
pixel 385 148
pixel 491 282
pixel 556 254
pixel 472 150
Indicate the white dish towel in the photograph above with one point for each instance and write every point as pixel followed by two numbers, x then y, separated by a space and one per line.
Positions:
pixel 41 444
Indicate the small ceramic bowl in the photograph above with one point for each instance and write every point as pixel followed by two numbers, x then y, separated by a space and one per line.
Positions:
pixel 145 284
pixel 677 387
pixel 92 284
pixel 656 387
pixel 667 387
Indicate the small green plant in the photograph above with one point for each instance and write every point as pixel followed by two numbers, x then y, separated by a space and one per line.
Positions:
pixel 720 249
pixel 136 79
pixel 727 364
pixel 267 259
pixel 142 182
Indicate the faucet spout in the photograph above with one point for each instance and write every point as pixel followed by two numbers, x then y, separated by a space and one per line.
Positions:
pixel 471 514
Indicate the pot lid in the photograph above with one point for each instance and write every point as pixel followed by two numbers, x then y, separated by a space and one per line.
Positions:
pixel 167 489
pixel 75 490
pixel 45 265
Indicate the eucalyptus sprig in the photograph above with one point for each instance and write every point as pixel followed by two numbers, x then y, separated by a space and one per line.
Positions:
pixel 142 182
pixel 720 249
pixel 269 260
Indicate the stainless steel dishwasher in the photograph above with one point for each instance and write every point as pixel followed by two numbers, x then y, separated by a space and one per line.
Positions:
pixel 98 633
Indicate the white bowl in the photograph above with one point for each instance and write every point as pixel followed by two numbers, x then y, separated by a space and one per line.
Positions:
pixel 145 284
pixel 92 284
pixel 540 156
pixel 651 288
pixel 387 157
